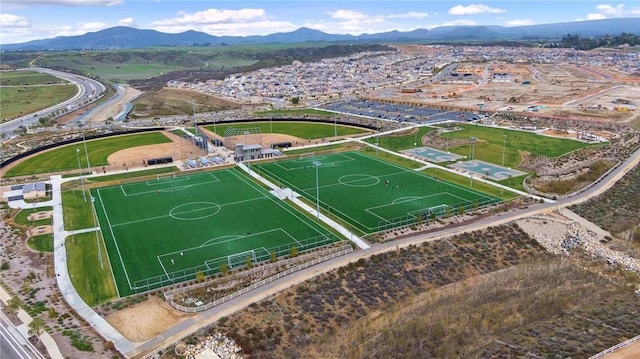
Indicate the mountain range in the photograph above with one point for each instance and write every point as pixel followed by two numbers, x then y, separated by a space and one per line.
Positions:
pixel 126 37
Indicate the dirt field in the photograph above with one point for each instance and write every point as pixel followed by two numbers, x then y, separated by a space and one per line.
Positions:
pixel 179 148
pixel 630 352
pixel 36 231
pixel 145 320
pixel 265 139
pixel 40 215
pixel 559 90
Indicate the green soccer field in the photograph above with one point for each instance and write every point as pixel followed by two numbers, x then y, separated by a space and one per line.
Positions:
pixel 169 229
pixel 370 194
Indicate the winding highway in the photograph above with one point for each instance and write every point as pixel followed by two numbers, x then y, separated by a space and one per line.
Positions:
pixel 89 90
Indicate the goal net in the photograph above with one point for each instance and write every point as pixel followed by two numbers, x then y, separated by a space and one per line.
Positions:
pixel 240 259
pixel 165 176
pixel 307 155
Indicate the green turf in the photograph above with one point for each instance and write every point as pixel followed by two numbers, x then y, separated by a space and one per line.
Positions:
pixel 205 216
pixel 41 243
pixel 490 144
pixel 133 174
pixel 76 212
pixel 352 186
pixel 93 282
pixel 66 158
pixel 302 130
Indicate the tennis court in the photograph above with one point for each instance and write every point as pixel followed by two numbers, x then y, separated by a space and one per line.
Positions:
pixel 489 170
pixel 172 228
pixel 433 155
pixel 371 194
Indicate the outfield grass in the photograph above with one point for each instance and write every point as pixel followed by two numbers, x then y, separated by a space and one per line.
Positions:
pixel 490 145
pixel 369 193
pixel 302 111
pixel 133 174
pixel 401 141
pixel 304 130
pixel 21 101
pixel 41 243
pixel 160 232
pixel 66 158
pixel 76 212
pixel 93 283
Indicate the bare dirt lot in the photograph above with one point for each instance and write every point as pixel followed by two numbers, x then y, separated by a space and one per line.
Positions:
pixel 146 320
pixel 558 90
pixel 179 148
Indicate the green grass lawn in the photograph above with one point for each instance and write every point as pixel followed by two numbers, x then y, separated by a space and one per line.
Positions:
pixel 93 282
pixel 21 101
pixel 42 243
pixel 21 217
pixel 66 158
pixel 490 145
pixel 165 231
pixel 304 130
pixel 354 187
pixel 27 78
pixel 401 141
pixel 76 212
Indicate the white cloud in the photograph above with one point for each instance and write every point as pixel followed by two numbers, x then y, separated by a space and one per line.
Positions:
pixel 65 2
pixel 474 9
pixel 596 16
pixel 212 16
pixel 411 15
pixel 243 22
pixel 128 21
pixel 13 21
pixel 519 22
pixel 606 11
pixel 347 15
pixel 85 27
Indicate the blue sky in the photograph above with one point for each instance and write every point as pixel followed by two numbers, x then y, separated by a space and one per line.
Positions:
pixel 24 20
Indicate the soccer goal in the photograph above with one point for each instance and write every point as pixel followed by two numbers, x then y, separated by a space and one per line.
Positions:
pixel 307 155
pixel 240 259
pixel 439 211
pixel 166 175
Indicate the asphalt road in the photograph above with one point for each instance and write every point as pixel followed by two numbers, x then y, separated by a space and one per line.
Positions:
pixel 12 344
pixel 88 91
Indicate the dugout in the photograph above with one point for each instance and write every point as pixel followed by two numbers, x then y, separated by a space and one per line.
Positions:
pixel 160 160
pixel 281 145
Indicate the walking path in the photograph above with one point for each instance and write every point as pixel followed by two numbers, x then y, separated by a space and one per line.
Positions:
pixel 62 274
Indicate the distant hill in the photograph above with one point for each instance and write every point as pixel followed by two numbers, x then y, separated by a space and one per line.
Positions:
pixel 127 37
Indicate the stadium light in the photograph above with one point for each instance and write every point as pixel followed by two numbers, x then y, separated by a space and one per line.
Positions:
pixel 504 145
pixel 317 164
pixel 95 224
pixel 84 195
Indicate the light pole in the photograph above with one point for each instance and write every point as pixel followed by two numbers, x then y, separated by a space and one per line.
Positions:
pixel 335 127
pixel 95 224
pixel 504 145
pixel 473 147
pixel 84 195
pixel 193 108
pixel 415 139
pixel 317 164
pixel 271 131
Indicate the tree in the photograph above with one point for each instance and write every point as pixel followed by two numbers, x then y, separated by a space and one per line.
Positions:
pixel 294 251
pixel 248 262
pixel 199 276
pixel 295 100
pixel 224 268
pixel 14 304
pixel 36 327
pixel 274 257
